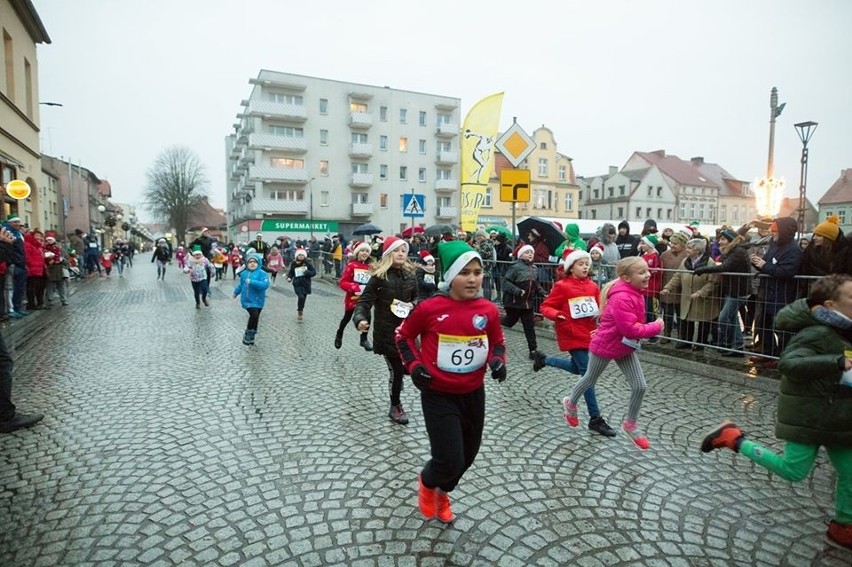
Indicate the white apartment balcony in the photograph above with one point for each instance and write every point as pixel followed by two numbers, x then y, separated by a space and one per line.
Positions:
pixel 280 110
pixel 361 120
pixel 269 142
pixel 246 156
pixel 360 150
pixel 447 157
pixel 235 173
pixel 362 209
pixel 235 152
pixel 278 206
pixel 446 184
pixel 361 180
pixel 267 174
pixel 447 129
pixel 447 212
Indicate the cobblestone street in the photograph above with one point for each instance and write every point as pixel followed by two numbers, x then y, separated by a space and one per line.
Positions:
pixel 168 442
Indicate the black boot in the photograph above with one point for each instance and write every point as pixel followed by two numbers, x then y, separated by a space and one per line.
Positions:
pixel 365 343
pixel 338 340
pixel 248 338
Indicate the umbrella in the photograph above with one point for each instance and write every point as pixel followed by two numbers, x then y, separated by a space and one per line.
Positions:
pixel 499 230
pixel 367 229
pixel 438 230
pixel 412 230
pixel 550 233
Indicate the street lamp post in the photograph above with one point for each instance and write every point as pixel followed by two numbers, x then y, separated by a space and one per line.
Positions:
pixel 805 131
pixel 768 191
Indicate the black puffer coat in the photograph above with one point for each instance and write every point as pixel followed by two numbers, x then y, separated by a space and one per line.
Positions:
pixel 734 260
pixel 380 293
pixel 520 286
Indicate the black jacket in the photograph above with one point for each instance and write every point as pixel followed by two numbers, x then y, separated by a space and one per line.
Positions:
pixel 734 260
pixel 380 293
pixel 520 286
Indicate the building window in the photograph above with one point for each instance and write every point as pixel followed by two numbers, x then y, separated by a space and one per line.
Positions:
pixel 723 213
pixel 323 137
pixel 563 173
pixel 357 107
pixel 403 116
pixel 621 190
pixel 611 192
pixel 542 167
pixel 594 214
pixel 323 198
pixel 648 211
pixel 597 194
pixel 323 106
pixel 444 147
pixel 383 143
pixel 421 146
pixel 668 214
pixel 359 138
pixel 323 167
pixel 359 168
pixel 660 213
pixel 650 191
pixel 445 202
pixel 638 212
pixel 542 198
pixel 569 202
pixel 421 175
pixel 620 212
pixel 488 197
pixel 287 195
pixel 701 211
pixel 842 216
pixel 543 145
pixel 286 131
pixel 403 173
pixel 692 211
pixel 287 163
pixel 403 144
pixel 383 171
pixel 361 198
pixel 383 200
pixel 659 191
pixel 444 173
pixel 423 118
pixel 444 118
pixel 283 98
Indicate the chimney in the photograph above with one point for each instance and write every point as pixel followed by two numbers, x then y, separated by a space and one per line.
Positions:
pixel 613 169
pixel 660 153
pixel 696 161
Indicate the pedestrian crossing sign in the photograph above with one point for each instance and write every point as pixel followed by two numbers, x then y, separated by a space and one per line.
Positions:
pixel 412 205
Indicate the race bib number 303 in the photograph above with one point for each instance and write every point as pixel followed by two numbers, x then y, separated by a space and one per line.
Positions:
pixel 582 307
pixel 460 354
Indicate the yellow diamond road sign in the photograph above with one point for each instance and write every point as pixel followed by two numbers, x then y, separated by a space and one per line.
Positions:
pixel 515 144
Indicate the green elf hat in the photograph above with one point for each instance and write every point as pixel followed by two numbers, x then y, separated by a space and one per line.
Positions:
pixel 651 240
pixel 196 248
pixel 455 255
pixel 13 217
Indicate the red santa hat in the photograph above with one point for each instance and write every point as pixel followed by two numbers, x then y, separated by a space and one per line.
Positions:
pixel 361 246
pixel 522 249
pixel 599 247
pixel 571 256
pixel 391 243
pixel 426 257
pixel 301 252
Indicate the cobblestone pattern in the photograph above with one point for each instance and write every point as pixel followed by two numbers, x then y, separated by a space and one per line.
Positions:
pixel 168 442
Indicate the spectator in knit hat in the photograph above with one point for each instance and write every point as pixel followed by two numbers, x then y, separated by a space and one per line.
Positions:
pixel 820 257
pixel 671 261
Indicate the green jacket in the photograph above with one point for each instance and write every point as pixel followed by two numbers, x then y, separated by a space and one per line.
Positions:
pixel 813 408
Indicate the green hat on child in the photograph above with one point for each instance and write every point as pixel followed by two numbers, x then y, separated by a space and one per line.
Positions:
pixel 196 248
pixel 455 255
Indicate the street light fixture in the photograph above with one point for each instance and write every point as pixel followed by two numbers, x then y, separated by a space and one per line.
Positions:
pixel 51 103
pixel 805 131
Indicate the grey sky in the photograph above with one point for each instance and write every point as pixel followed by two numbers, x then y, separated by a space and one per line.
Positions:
pixel 607 77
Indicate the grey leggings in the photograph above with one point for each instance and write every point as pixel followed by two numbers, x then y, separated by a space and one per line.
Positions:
pixel 629 366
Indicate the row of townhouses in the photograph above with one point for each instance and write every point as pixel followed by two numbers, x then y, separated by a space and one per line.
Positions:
pixel 314 155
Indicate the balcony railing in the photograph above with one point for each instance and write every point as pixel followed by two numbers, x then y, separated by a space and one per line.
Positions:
pixel 280 110
pixel 267 174
pixel 362 209
pixel 360 150
pixel 446 184
pixel 279 206
pixel 361 180
pixel 360 120
pixel 447 157
pixel 269 142
pixel 447 129
pixel 447 212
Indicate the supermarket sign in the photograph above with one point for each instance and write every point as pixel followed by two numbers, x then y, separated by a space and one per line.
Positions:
pixel 300 226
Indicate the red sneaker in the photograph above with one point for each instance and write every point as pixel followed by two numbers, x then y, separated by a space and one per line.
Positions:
pixel 726 434
pixel 442 507
pixel 425 499
pixel 569 411
pixel 839 535
pixel 632 430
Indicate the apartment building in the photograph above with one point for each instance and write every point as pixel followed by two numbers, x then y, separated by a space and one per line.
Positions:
pixel 318 156
pixel 21 30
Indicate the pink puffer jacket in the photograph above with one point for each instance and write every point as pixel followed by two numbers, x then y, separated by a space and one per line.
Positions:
pixel 623 317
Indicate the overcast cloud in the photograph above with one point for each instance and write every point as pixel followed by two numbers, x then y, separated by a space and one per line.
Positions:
pixel 607 77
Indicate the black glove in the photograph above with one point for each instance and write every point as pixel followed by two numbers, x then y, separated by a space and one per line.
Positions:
pixel 421 378
pixel 700 271
pixel 498 369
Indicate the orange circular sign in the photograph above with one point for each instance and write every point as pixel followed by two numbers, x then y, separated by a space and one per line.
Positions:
pixel 18 189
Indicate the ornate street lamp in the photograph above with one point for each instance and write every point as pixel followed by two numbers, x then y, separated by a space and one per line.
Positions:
pixel 805 131
pixel 769 191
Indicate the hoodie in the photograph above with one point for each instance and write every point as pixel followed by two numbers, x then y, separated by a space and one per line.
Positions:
pixel 628 244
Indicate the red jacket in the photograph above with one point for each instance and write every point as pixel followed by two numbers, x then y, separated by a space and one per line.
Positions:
pixel 655 266
pixel 353 279
pixel 457 340
pixel 578 317
pixel 34 256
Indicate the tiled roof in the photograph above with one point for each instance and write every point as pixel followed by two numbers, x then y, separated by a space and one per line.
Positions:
pixel 840 191
pixel 635 174
pixel 683 172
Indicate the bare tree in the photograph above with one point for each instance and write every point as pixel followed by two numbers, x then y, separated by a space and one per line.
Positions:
pixel 176 182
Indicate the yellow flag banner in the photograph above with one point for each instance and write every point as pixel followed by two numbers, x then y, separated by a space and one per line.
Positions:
pixel 479 133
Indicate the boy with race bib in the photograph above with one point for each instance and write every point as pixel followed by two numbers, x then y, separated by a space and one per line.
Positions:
pixel 447 343
pixel 573 306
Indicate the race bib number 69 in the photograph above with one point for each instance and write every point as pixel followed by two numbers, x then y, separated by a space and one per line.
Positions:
pixel 460 354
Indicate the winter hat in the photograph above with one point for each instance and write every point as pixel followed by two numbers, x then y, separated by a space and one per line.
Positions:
pixel 573 256
pixel 425 256
pixel 698 244
pixel 362 246
pixel 520 250
pixel 300 252
pixel 650 226
pixel 650 240
pixel 49 239
pixel 196 250
pixel 727 234
pixel 392 243
pixel 480 234
pixel 599 247
pixel 256 257
pixel 829 228
pixel 13 218
pixel 455 255
pixel 680 237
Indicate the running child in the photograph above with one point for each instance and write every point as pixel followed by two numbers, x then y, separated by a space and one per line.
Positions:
pixel 447 343
pixel 300 274
pixel 353 280
pixel 196 266
pixel 617 338
pixel 274 263
pixel 251 290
